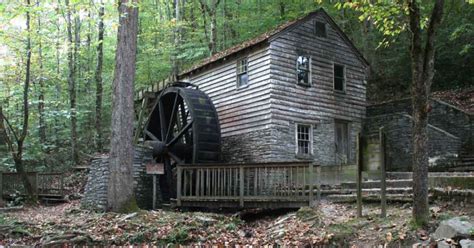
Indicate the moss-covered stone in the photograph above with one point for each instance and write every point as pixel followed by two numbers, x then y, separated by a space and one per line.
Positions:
pixel 130 206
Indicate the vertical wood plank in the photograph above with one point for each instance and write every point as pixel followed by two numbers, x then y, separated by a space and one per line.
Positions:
pixel 1 185
pixel 383 189
pixel 178 191
pixel 255 181
pixel 206 189
pixel 241 185
pixel 154 192
pixel 359 175
pixel 318 183
pixel 311 171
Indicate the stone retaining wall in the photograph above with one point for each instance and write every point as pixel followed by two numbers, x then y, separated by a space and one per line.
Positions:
pixel 95 195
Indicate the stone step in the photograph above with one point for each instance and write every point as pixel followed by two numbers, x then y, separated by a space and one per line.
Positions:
pixel 376 184
pixel 371 191
pixel 409 175
pixel 370 198
pixel 467 158
pixel 469 168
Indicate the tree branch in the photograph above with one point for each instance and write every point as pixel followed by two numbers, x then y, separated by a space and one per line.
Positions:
pixel 9 126
pixel 416 51
pixel 428 58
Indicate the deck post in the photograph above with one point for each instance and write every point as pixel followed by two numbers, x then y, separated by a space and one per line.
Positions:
pixel 311 183
pixel 241 185
pixel 154 192
pixel 318 183
pixel 178 190
pixel 62 184
pixel 359 175
pixel 1 185
pixel 383 182
pixel 35 184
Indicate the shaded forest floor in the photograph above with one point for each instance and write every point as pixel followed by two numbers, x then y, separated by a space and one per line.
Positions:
pixel 327 224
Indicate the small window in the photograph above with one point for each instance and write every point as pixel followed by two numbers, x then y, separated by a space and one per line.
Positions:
pixel 303 70
pixel 303 139
pixel 339 78
pixel 242 73
pixel 320 29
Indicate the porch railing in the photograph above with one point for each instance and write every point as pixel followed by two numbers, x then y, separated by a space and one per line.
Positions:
pixel 291 181
pixel 44 184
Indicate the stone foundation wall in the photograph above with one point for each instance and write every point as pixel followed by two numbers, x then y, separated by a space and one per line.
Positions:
pixel 324 149
pixel 442 116
pixel 251 147
pixel 443 146
pixel 278 144
pixel 95 195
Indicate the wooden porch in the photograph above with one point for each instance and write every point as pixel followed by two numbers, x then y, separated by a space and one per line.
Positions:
pixel 263 185
pixel 47 186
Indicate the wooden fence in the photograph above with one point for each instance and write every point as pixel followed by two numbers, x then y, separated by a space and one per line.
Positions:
pixel 246 185
pixel 49 184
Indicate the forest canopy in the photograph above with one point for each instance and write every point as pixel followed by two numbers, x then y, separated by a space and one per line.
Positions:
pixel 65 37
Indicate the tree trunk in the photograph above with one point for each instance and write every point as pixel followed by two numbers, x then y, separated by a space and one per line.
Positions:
pixel 422 64
pixel 213 38
pixel 98 80
pixel 174 57
pixel 71 84
pixel 18 156
pixel 120 188
pixel 211 11
pixel 41 121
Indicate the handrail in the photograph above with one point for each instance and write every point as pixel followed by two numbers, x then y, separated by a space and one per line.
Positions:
pixel 281 181
pixel 44 183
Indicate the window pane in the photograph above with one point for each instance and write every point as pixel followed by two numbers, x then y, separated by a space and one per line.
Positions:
pixel 242 79
pixel 339 77
pixel 302 69
pixel 303 136
pixel 338 71
pixel 320 29
pixel 339 84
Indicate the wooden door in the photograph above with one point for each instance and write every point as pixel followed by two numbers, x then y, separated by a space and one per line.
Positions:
pixel 342 142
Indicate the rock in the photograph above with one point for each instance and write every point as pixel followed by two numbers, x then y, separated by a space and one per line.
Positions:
pixel 454 227
pixel 466 243
pixel 206 220
pixel 443 244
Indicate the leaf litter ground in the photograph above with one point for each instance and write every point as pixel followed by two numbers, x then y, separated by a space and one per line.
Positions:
pixel 326 224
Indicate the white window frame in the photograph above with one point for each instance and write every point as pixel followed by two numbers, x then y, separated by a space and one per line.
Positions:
pixel 310 83
pixel 344 85
pixel 238 73
pixel 310 139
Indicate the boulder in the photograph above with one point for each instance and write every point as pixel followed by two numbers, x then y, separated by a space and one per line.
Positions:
pixel 457 227
pixel 443 244
pixel 466 243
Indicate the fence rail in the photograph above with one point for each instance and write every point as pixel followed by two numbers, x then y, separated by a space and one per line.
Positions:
pixel 241 184
pixel 49 184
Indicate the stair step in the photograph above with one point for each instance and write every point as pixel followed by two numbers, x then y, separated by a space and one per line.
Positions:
pixel 377 184
pixel 409 175
pixel 370 198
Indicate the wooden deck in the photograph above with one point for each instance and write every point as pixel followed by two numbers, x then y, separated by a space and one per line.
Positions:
pixel 271 185
pixel 46 185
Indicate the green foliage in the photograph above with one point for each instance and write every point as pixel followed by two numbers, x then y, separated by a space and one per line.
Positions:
pixel 379 30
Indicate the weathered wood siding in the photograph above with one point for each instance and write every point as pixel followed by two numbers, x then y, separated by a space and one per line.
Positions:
pixel 258 121
pixel 318 105
pixel 244 109
pixel 244 113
